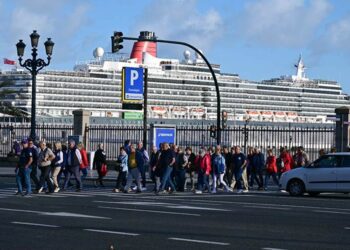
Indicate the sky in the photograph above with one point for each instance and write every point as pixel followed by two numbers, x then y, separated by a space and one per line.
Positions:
pixel 258 39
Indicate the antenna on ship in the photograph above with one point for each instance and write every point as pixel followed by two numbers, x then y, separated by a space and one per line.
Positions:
pixel 300 69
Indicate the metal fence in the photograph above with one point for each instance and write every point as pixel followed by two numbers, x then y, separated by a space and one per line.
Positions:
pixel 264 137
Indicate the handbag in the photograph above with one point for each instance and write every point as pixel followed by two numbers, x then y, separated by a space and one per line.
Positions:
pixel 103 169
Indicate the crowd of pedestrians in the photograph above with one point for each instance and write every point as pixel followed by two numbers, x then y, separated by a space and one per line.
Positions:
pixel 171 168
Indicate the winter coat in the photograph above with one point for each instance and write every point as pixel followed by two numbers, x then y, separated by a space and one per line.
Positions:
pixel 287 161
pixel 84 159
pixel 271 165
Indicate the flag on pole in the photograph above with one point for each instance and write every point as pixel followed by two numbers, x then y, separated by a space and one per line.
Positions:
pixel 10 62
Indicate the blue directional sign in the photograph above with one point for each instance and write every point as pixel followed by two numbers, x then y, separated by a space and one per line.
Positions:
pixel 161 135
pixel 132 84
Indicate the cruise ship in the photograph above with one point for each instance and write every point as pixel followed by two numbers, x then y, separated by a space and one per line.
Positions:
pixel 177 89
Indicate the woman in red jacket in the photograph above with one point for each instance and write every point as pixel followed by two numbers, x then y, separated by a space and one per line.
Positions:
pixel 287 160
pixel 271 168
pixel 204 168
pixel 84 161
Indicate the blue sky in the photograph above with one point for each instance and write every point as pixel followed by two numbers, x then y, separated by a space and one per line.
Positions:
pixel 256 39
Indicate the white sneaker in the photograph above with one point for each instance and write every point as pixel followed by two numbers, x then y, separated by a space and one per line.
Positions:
pixel 40 190
pixel 144 189
pixel 245 191
pixel 198 192
pixel 134 188
pixel 229 190
pixel 213 191
pixel 239 191
pixel 56 190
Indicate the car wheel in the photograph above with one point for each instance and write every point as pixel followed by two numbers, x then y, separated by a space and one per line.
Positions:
pixel 296 188
pixel 313 194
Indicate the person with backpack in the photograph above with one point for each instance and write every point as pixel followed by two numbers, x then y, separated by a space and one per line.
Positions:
pixel 122 169
pixel 271 169
pixel 219 167
pixel 57 165
pixel 46 156
pixel 134 160
pixel 99 160
pixel 73 165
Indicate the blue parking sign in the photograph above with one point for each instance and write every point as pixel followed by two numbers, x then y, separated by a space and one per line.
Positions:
pixel 132 84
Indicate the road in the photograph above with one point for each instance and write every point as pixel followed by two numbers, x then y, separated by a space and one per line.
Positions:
pixel 97 218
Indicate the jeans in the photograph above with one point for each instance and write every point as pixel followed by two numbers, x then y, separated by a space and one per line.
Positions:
pixel 84 171
pixel 166 178
pixel 221 179
pixel 134 173
pixel 24 173
pixel 73 171
pixel 34 177
pixel 121 180
pixel 267 178
pixel 237 175
pixel 256 174
pixel 180 179
pixel 203 181
pixel 143 175
pixel 45 177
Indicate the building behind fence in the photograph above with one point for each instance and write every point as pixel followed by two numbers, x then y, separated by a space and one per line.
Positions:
pixel 264 137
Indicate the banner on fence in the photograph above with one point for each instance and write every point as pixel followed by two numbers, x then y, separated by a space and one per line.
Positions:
pixel 163 133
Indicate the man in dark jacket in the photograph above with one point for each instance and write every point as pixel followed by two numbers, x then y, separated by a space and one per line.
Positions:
pixel 99 160
pixel 257 168
pixel 167 162
pixel 73 165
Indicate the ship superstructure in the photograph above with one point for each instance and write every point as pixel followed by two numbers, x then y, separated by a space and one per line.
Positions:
pixel 178 89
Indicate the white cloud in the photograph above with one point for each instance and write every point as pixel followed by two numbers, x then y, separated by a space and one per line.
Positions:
pixel 60 20
pixel 282 23
pixel 181 20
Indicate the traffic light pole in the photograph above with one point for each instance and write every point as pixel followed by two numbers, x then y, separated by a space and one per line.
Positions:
pixel 218 103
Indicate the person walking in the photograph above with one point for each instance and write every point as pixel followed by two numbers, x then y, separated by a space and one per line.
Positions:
pixel 134 161
pixel 190 168
pixel 180 165
pixel 123 170
pixel 143 166
pixel 99 160
pixel 34 172
pixel 300 158
pixel 219 167
pixel 57 165
pixel 286 161
pixel 155 168
pixel 23 169
pixel 84 161
pixel 239 162
pixel 167 161
pixel 73 164
pixel 204 169
pixel 46 156
pixel 258 163
pixel 271 169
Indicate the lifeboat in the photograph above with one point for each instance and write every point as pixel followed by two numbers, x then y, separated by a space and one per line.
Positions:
pixel 280 114
pixel 197 111
pixel 267 113
pixel 253 113
pixel 292 114
pixel 159 110
pixel 179 110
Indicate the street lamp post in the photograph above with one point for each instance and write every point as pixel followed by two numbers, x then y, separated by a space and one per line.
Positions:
pixel 34 65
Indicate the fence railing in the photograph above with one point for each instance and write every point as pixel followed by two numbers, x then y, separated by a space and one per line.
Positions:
pixel 264 137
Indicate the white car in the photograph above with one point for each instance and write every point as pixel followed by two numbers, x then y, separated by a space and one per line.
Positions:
pixel 330 173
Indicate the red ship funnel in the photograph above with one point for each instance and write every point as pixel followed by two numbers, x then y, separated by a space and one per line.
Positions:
pixel 143 46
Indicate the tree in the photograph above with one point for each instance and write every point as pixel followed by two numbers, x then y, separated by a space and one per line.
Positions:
pixel 6 107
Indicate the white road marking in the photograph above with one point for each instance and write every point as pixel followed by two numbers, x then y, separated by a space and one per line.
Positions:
pixel 271 248
pixel 199 208
pixel 330 212
pixel 266 207
pixel 61 214
pixel 111 232
pixel 149 211
pixel 347 228
pixel 33 224
pixel 201 241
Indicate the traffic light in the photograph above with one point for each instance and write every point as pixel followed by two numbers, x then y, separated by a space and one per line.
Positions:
pixel 117 38
pixel 213 131
pixel 224 116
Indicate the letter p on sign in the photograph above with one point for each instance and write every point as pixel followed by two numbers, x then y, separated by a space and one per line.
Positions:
pixel 134 75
